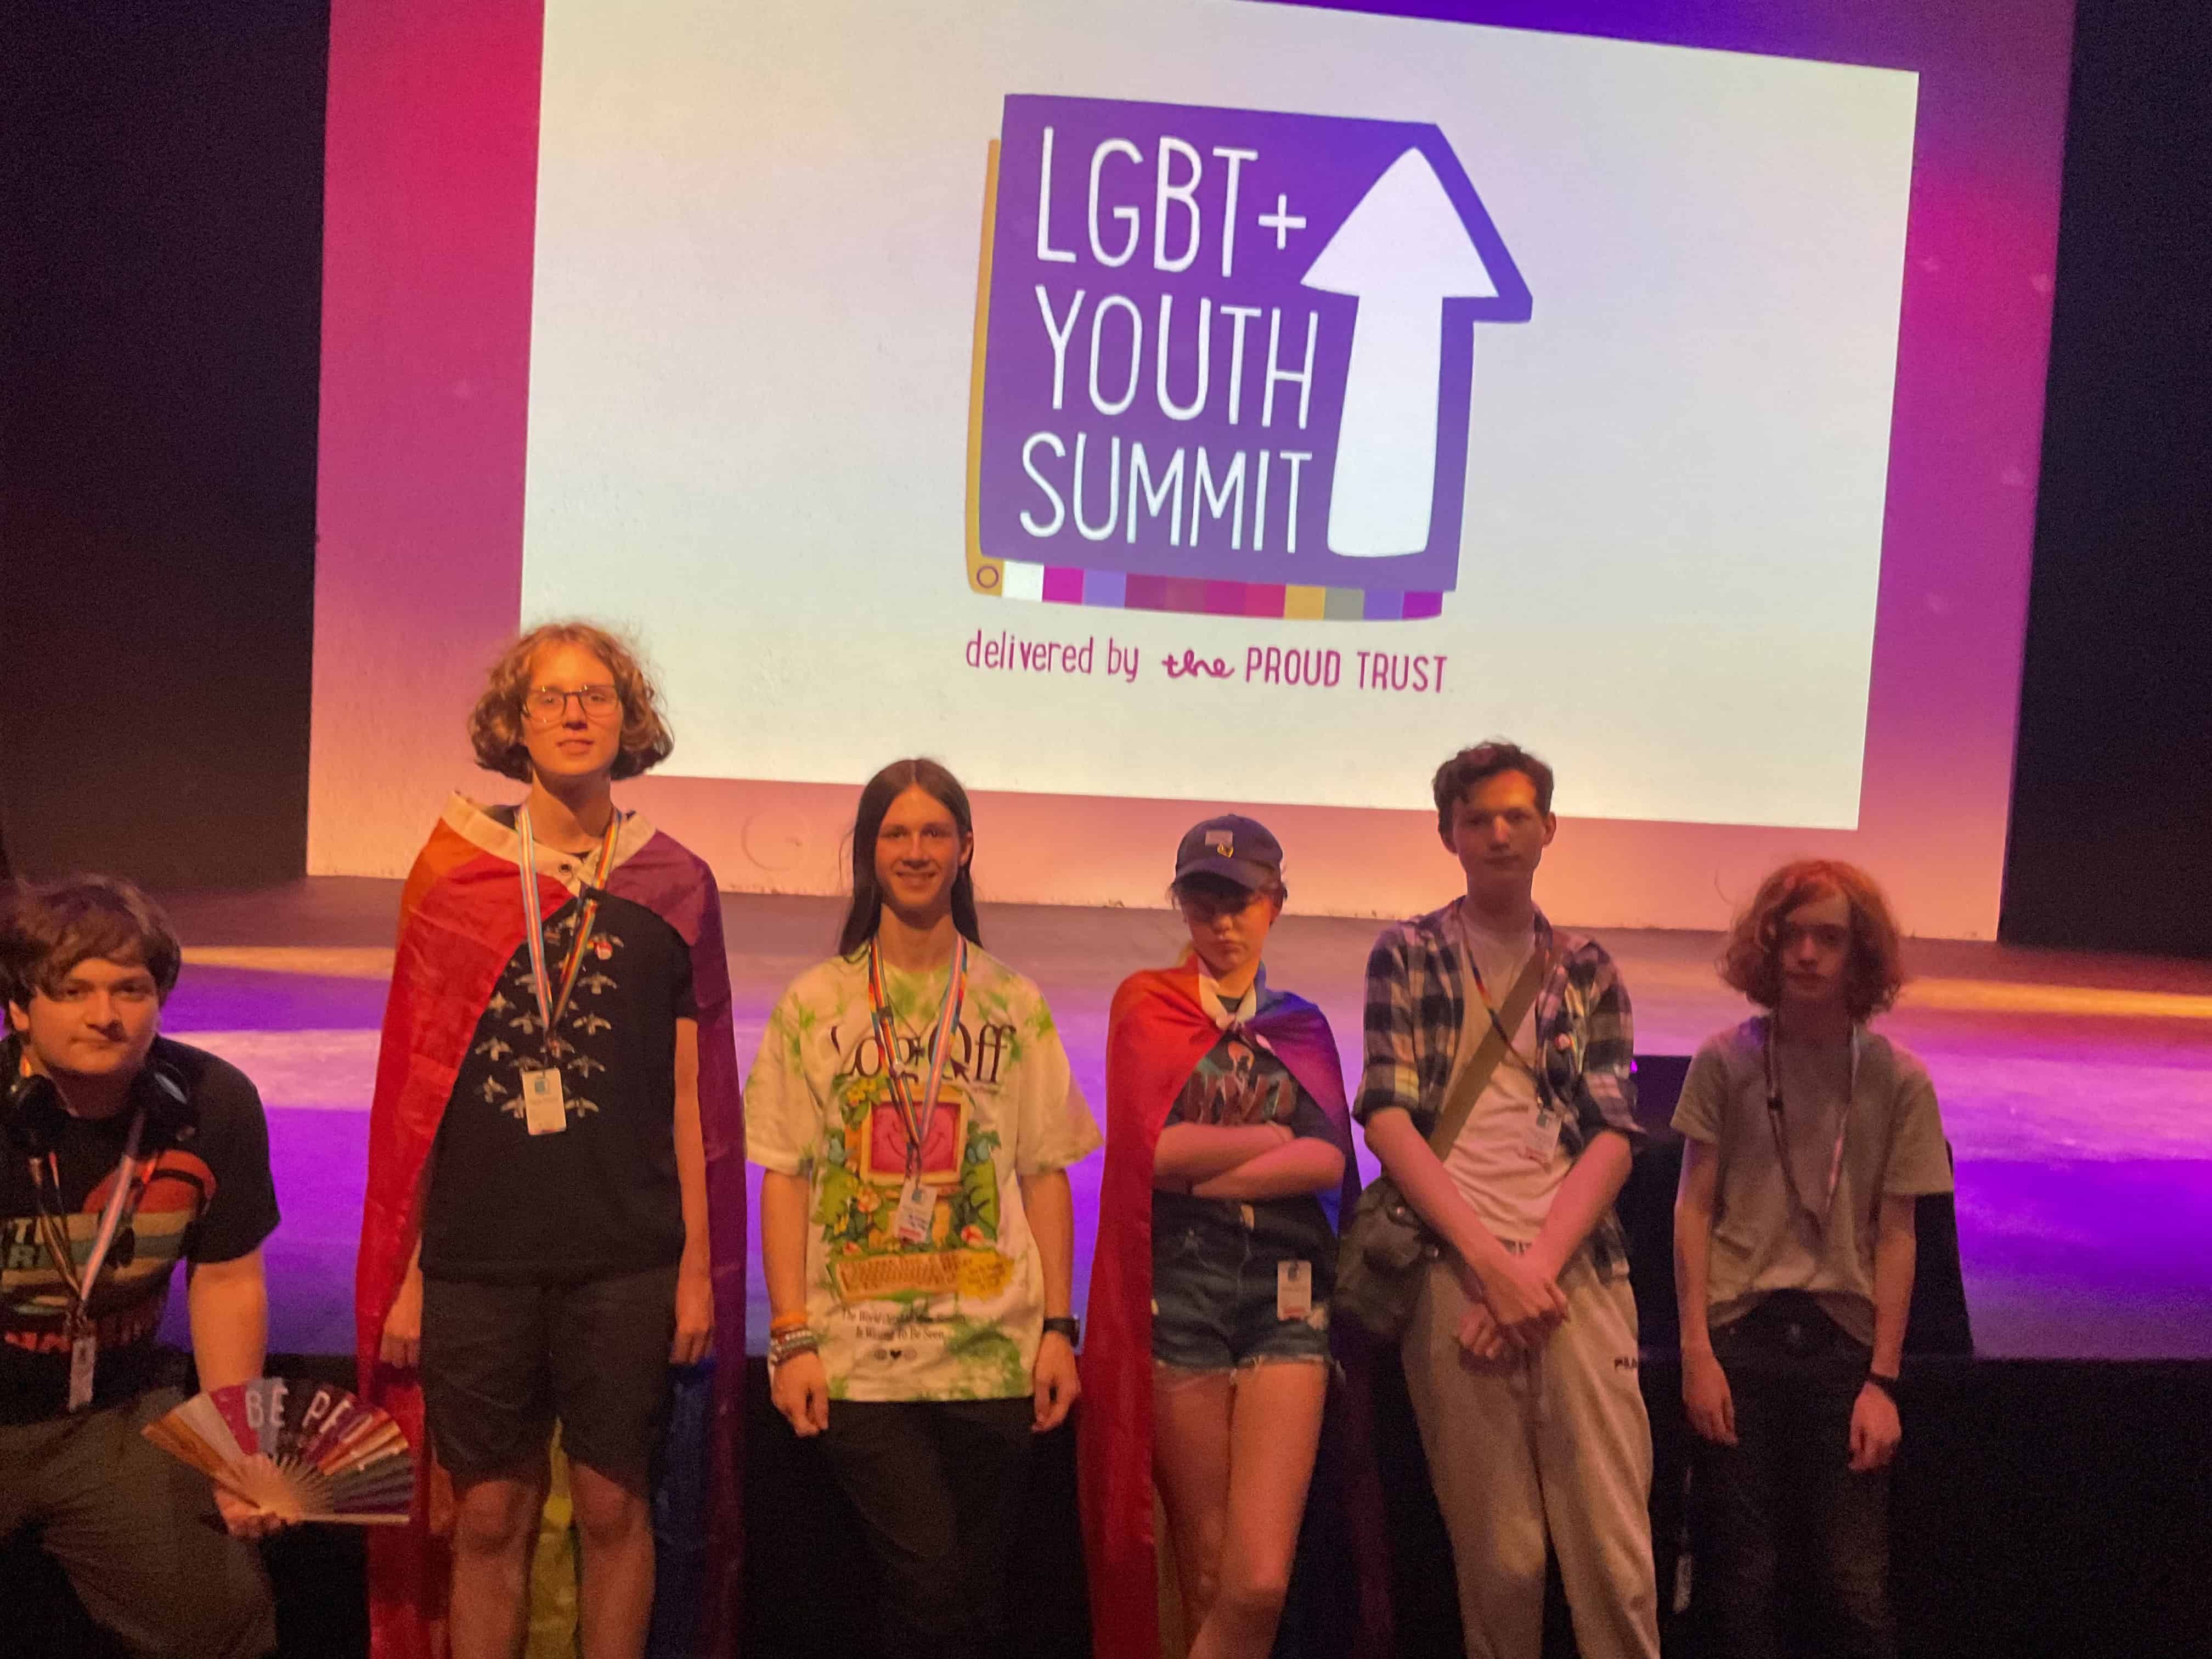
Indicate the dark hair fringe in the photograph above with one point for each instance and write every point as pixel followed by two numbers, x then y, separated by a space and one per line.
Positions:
pixel 47 930
pixel 1875 974
pixel 1486 759
pixel 1206 882
pixel 865 913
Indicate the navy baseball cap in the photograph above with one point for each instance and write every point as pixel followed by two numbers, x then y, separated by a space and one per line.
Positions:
pixel 1239 849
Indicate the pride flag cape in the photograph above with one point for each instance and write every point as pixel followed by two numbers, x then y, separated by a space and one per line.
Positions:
pixel 460 923
pixel 1157 1034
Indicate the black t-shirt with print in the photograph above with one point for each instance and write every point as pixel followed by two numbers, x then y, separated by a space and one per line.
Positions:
pixel 1239 1082
pixel 601 1197
pixel 207 1198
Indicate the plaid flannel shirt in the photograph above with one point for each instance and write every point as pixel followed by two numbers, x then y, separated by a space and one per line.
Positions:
pixel 1417 1008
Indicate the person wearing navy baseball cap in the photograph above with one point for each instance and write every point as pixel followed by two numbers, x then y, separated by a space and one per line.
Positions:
pixel 1228 1159
pixel 1237 850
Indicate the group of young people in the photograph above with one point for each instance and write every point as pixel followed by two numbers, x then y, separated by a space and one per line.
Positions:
pixel 554 1230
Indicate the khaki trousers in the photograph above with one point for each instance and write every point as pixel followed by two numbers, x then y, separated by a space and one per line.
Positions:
pixel 1556 1440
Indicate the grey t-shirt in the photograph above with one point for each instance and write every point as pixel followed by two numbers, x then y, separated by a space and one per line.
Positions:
pixel 1763 1240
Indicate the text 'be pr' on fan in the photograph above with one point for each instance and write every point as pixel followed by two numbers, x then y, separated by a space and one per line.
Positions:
pixel 307 1451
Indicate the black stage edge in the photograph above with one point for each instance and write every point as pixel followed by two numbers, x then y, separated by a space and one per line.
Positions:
pixel 2051 1508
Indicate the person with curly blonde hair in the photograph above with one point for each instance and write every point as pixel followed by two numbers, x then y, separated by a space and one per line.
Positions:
pixel 555 1204
pixel 1808 1138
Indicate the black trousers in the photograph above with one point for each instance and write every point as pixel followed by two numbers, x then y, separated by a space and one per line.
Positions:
pixel 1786 1493
pixel 939 1486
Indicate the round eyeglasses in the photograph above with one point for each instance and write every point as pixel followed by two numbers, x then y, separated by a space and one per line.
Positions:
pixel 547 705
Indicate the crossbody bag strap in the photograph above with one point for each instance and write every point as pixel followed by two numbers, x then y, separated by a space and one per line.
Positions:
pixel 1476 1078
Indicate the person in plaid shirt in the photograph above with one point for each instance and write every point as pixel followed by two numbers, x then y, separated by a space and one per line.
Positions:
pixel 1522 1356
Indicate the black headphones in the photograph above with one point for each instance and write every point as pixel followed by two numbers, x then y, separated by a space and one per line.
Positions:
pixel 32 1115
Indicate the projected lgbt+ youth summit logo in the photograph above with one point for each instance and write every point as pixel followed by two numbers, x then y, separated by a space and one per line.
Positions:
pixel 1223 360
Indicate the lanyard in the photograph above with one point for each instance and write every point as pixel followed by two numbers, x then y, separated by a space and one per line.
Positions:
pixel 123 1201
pixel 913 1112
pixel 551 1005
pixel 1527 1062
pixel 1842 1125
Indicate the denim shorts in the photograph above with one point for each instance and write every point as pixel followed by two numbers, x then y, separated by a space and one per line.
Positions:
pixel 1213 1302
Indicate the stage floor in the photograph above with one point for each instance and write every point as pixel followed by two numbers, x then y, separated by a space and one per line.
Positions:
pixel 2076 1089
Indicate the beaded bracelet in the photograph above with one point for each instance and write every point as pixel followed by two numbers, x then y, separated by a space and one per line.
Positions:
pixel 785 1345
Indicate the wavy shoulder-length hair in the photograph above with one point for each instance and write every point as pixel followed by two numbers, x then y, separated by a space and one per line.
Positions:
pixel 863 914
pixel 495 723
pixel 1751 961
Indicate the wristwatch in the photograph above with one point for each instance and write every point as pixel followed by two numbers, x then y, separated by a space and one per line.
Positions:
pixel 1887 1384
pixel 1065 1325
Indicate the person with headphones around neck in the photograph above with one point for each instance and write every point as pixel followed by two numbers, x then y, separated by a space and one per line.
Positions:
pixel 121 1153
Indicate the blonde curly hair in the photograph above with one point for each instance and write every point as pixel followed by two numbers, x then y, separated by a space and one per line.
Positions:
pixel 495 723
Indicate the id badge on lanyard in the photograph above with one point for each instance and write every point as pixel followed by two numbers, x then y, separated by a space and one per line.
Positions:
pixel 544 1109
pixel 917 1203
pixel 83 1340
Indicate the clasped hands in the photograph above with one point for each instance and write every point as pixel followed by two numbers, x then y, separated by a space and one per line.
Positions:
pixel 1511 1306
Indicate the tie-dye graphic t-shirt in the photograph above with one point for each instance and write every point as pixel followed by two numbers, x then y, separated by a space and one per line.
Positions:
pixel 958 1314
pixel 206 1199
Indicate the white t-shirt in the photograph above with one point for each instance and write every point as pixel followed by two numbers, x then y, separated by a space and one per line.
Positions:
pixel 1507 1185
pixel 957 1315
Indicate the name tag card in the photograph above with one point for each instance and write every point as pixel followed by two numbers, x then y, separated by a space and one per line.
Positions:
pixel 544 1111
pixel 84 1353
pixel 1293 1290
pixel 917 1208
pixel 1542 1139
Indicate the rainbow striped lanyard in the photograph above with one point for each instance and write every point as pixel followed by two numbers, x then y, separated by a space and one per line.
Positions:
pixel 551 1006
pixel 913 1112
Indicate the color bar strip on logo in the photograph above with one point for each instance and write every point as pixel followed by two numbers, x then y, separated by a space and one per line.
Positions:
pixel 1056 584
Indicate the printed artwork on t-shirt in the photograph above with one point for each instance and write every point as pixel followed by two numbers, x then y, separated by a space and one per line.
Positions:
pixel 954 1314
pixel 516 1041
pixel 601 1195
pixel 207 1198
pixel 127 1303
pixel 1237 1084
pixel 865 1161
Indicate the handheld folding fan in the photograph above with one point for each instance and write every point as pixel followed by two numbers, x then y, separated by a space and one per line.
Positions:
pixel 307 1452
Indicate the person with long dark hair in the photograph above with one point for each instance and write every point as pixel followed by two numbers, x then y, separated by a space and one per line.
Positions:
pixel 913 1115
pixel 1228 1161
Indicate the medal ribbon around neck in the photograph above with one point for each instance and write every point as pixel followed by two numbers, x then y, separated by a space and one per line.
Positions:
pixel 913 1115
pixel 549 1004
